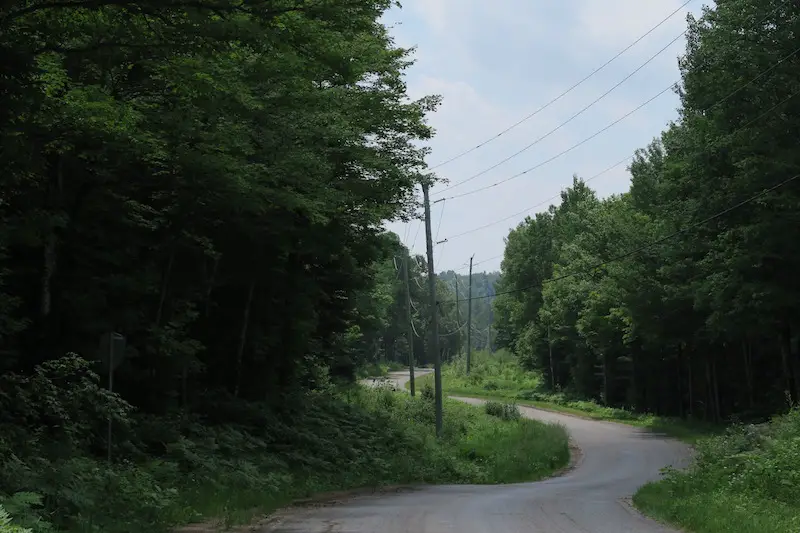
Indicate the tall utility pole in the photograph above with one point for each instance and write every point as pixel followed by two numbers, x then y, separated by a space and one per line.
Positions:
pixel 469 316
pixel 437 357
pixel 410 327
pixel 458 316
pixel 552 368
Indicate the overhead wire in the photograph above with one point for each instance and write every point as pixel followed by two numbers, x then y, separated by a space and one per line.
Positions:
pixel 565 93
pixel 745 125
pixel 651 244
pixel 540 204
pixel 608 169
pixel 576 115
pixel 609 126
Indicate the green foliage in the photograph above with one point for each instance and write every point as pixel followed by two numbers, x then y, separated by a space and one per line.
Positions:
pixel 7 527
pixel 503 411
pixel 500 376
pixel 745 480
pixel 648 301
pixel 244 457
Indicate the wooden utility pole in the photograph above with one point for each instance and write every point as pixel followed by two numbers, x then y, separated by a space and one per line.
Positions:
pixel 469 316
pixel 410 328
pixel 437 357
pixel 458 316
pixel 552 367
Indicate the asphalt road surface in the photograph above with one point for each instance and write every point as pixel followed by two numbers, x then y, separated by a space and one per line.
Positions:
pixel 591 498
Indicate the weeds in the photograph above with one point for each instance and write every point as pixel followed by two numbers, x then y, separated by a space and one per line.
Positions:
pixel 499 377
pixel 172 470
pixel 746 480
pixel 503 411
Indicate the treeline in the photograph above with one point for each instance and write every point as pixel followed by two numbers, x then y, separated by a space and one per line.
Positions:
pixel 681 296
pixel 209 179
pixel 389 342
pixel 483 291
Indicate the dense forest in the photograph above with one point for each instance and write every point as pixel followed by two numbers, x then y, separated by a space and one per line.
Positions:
pixel 210 180
pixel 681 296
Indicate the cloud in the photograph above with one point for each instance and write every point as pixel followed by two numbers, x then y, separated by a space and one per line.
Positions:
pixel 494 64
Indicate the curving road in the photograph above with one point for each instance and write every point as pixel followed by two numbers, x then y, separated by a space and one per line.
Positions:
pixel 591 498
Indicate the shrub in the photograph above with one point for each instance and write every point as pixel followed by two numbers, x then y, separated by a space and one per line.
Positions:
pixel 503 411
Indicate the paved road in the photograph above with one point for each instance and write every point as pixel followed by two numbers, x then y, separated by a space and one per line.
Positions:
pixel 591 498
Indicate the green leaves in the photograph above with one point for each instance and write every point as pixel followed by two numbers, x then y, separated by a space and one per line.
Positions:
pixel 705 323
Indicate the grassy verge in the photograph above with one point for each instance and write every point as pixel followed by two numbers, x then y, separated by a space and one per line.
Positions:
pixel 185 470
pixel 499 377
pixel 376 370
pixel 746 480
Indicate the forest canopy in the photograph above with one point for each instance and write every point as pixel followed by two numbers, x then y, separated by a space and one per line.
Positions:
pixel 681 296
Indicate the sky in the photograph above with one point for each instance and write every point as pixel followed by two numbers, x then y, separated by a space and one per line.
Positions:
pixel 495 64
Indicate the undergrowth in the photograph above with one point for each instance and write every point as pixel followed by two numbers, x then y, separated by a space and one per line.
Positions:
pixel 743 481
pixel 376 370
pixel 499 376
pixel 238 460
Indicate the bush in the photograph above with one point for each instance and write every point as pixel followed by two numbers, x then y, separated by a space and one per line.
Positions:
pixel 745 480
pixel 503 411
pixel 7 527
pixel 239 458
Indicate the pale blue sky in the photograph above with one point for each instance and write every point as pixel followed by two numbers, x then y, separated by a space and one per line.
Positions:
pixel 495 63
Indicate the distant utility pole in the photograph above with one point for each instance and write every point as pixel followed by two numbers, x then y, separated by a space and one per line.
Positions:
pixel 437 357
pixel 458 317
pixel 469 315
pixel 410 327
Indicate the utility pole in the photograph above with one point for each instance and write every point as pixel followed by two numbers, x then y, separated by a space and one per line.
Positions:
pixel 437 357
pixel 552 368
pixel 410 327
pixel 469 316
pixel 458 317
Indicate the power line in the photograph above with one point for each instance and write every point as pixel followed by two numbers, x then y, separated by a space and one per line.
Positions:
pixel 563 94
pixel 441 216
pixel 573 147
pixel 564 152
pixel 745 125
pixel 573 117
pixel 540 204
pixel 650 244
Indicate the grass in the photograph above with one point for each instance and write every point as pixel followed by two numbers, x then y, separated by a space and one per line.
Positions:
pixel 499 376
pixel 743 481
pixel 335 440
pixel 376 370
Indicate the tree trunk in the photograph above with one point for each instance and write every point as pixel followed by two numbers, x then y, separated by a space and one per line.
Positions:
pixel 50 254
pixel 747 358
pixel 165 286
pixel 681 410
pixel 786 354
pixel 243 336
pixel 690 379
pixel 211 282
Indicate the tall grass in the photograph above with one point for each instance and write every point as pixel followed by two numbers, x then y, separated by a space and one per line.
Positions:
pixel 500 376
pixel 747 480
pixel 334 440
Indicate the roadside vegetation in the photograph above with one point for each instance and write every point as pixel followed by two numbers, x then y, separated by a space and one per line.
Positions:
pixel 499 376
pixel 177 470
pixel 745 480
pixel 378 370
